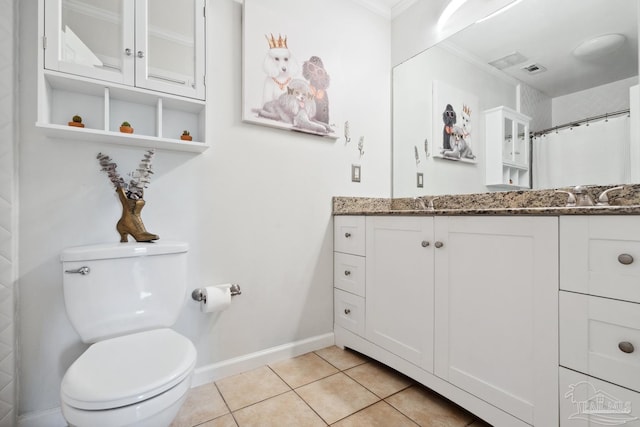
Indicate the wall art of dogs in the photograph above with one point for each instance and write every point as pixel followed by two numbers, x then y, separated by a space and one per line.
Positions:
pixel 280 67
pixel 314 71
pixel 296 107
pixel 449 118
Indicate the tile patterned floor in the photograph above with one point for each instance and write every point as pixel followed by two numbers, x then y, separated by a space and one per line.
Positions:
pixel 328 387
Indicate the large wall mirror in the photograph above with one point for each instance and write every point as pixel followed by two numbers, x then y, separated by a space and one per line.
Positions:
pixel 570 69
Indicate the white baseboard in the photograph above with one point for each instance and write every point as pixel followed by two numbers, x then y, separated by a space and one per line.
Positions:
pixel 237 365
pixel 49 418
pixel 206 374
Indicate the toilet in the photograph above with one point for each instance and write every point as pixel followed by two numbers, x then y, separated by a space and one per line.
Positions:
pixel 122 298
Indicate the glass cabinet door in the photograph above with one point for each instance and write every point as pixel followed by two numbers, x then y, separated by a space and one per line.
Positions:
pixel 91 38
pixel 170 46
pixel 507 143
pixel 520 154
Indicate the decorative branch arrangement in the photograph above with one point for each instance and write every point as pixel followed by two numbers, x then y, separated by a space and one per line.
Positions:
pixel 131 196
pixel 140 178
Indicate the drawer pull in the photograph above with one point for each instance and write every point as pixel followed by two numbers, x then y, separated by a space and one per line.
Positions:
pixel 347 235
pixel 347 311
pixel 626 347
pixel 439 244
pixel 347 273
pixel 425 243
pixel 625 259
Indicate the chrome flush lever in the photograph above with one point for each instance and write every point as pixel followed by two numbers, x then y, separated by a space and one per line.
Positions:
pixel 84 270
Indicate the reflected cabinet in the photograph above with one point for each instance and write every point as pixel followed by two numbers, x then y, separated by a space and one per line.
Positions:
pixel 507 149
pixel 111 61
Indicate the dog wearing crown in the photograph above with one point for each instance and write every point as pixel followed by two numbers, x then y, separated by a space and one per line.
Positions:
pixel 280 67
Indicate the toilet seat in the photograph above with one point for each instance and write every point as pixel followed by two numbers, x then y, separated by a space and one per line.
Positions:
pixel 128 369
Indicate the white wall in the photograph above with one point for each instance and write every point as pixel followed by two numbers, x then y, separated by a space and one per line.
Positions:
pixel 255 207
pixel 592 102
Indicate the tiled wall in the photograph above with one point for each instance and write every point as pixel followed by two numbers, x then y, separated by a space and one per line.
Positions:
pixel 7 200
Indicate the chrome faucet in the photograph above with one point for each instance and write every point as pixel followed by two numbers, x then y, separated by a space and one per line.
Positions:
pixel 430 206
pixel 578 197
pixel 603 198
pixel 419 203
pixel 582 196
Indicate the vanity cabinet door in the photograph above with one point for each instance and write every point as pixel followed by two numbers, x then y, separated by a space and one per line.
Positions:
pixel 399 287
pixel 496 321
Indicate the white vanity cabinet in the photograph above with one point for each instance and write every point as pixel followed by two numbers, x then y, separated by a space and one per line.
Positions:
pixel 112 61
pixel 496 326
pixel 399 288
pixel 600 320
pixel 468 307
pixel 506 149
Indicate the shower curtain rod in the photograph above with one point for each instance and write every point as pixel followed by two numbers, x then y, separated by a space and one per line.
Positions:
pixel 579 122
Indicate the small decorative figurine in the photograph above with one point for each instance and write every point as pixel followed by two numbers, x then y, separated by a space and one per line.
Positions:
pixel 131 196
pixel 125 127
pixel 186 136
pixel 76 121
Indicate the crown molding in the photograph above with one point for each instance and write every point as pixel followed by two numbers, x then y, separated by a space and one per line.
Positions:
pixel 401 6
pixel 375 6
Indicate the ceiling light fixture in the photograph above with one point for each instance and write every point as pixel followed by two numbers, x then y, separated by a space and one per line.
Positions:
pixel 448 11
pixel 599 45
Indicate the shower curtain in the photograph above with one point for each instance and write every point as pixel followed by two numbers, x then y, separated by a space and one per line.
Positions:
pixel 597 153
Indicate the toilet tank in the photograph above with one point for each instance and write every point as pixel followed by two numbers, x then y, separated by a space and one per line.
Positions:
pixel 128 287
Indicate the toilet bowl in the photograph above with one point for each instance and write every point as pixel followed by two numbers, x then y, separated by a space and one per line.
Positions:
pixel 122 298
pixel 139 379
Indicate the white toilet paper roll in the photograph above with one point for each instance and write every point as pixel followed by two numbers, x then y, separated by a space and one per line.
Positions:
pixel 217 298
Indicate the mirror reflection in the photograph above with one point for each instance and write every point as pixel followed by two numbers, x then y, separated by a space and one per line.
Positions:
pixel 561 82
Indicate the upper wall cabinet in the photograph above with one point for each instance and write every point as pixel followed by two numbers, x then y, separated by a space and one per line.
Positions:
pixel 507 149
pixel 111 61
pixel 157 45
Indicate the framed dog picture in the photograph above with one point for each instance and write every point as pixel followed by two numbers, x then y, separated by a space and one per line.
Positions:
pixel 286 81
pixel 454 113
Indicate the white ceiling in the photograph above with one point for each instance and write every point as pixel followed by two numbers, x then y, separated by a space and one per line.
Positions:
pixel 547 31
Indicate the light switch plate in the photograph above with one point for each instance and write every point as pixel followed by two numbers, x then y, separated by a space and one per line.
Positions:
pixel 420 180
pixel 355 173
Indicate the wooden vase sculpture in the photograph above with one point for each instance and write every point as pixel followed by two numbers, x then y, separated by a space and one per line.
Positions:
pixel 130 222
pixel 131 197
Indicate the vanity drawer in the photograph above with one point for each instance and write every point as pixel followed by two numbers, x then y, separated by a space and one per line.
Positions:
pixel 601 337
pixel 348 234
pixel 589 402
pixel 600 255
pixel 349 311
pixel 349 273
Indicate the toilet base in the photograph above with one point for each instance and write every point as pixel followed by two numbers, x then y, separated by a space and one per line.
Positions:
pixel 159 411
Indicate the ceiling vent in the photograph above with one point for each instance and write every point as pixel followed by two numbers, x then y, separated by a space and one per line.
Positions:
pixel 508 61
pixel 534 69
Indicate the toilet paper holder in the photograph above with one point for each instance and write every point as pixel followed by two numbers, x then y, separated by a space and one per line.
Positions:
pixel 199 294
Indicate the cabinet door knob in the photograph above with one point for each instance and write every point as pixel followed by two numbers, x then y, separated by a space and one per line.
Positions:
pixel 347 235
pixel 347 311
pixel 425 243
pixel 626 347
pixel 625 259
pixel 439 244
pixel 127 52
pixel 347 273
pixel 140 54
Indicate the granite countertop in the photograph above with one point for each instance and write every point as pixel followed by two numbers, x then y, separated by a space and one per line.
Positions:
pixel 529 202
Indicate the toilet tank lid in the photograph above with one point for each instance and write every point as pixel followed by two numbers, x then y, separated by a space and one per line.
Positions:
pixel 122 250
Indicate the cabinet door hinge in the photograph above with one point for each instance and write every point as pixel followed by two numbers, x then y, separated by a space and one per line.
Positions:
pixel 44 42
